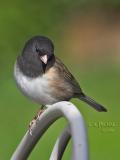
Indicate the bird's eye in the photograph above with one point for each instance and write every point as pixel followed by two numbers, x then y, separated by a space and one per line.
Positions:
pixel 37 50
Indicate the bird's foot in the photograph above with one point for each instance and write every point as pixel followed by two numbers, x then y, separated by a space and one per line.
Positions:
pixel 34 120
pixel 42 109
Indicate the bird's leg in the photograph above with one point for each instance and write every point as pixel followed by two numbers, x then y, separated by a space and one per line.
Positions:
pixel 42 109
pixel 34 120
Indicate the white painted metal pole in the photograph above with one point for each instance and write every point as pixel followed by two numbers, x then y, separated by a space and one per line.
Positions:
pixel 55 111
pixel 61 145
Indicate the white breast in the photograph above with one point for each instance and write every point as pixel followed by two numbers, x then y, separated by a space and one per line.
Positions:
pixel 36 89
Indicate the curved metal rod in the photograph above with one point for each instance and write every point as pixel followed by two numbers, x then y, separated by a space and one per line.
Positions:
pixel 50 115
pixel 61 144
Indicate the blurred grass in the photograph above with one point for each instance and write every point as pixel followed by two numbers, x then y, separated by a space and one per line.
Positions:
pixel 20 20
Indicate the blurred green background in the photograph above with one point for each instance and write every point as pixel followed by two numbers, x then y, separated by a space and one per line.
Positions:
pixel 87 39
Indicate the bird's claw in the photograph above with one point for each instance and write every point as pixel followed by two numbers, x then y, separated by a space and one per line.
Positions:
pixel 34 121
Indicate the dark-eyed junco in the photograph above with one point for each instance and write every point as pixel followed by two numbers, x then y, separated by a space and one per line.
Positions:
pixel 42 77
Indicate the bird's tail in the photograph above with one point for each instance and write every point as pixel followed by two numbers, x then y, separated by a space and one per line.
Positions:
pixel 92 103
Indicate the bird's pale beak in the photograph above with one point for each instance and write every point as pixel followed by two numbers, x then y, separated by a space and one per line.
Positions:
pixel 44 59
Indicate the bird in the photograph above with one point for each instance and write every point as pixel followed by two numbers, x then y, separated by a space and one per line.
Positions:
pixel 43 77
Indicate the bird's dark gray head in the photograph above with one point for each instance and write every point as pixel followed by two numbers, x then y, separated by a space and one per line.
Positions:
pixel 38 47
pixel 37 56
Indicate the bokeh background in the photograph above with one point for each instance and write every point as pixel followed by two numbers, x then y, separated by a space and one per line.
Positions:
pixel 87 39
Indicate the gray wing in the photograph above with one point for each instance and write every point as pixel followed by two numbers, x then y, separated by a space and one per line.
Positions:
pixel 69 78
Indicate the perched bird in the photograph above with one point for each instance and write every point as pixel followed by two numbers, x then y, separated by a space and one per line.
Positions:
pixel 42 77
